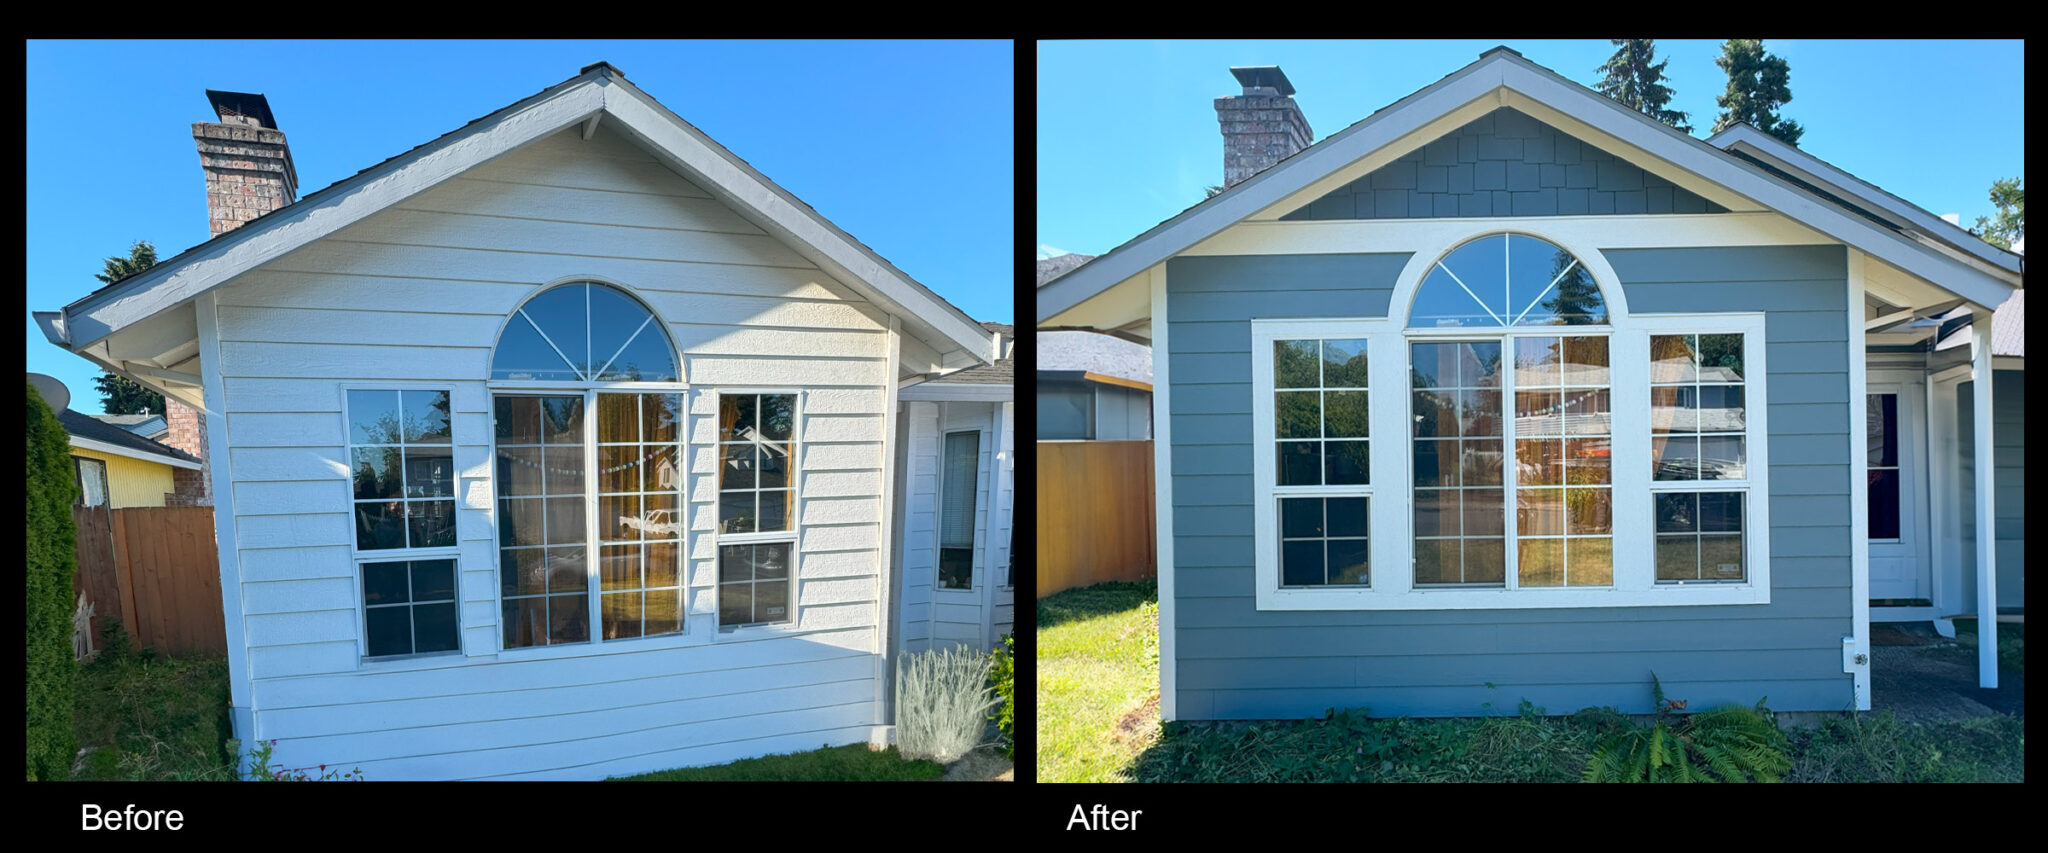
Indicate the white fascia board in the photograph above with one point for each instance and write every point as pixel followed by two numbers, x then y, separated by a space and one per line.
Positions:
pixel 760 200
pixel 1827 176
pixel 1267 188
pixel 958 392
pixel 97 446
pixel 1652 138
pixel 169 285
pixel 1496 70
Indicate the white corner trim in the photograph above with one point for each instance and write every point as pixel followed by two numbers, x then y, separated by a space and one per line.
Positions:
pixel 1162 486
pixel 98 446
pixel 885 546
pixel 1857 655
pixel 240 682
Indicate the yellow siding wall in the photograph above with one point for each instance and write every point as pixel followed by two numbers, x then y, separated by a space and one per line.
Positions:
pixel 132 482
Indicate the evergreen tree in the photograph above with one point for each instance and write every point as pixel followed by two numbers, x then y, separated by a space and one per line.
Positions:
pixel 119 394
pixel 1636 80
pixel 1758 84
pixel 141 256
pixel 2011 222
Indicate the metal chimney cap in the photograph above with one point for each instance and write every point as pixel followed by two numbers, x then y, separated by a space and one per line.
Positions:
pixel 1263 76
pixel 243 105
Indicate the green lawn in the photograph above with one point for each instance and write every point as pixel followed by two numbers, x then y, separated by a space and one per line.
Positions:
pixel 1098 722
pixel 851 763
pixel 1098 681
pixel 145 718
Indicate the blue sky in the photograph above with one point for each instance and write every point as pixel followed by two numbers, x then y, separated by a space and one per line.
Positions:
pixel 908 146
pixel 1127 132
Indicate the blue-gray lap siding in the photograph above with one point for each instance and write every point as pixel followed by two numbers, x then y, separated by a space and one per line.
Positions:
pixel 2009 486
pixel 1237 662
pixel 1504 163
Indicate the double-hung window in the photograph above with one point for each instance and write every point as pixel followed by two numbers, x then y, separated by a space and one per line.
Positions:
pixel 402 488
pixel 1698 456
pixel 757 447
pixel 1549 450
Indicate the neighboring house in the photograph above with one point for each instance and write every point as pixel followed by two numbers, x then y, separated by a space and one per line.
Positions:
pixel 117 468
pixel 1093 387
pixel 1509 392
pixel 560 446
pixel 957 483
pixel 152 427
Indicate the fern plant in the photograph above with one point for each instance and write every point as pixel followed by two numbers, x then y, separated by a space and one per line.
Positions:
pixel 1728 744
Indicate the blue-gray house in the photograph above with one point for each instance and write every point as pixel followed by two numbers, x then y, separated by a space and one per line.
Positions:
pixel 1509 392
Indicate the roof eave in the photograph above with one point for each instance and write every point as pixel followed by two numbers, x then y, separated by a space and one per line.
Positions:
pixel 933 319
pixel 1841 182
pixel 1495 70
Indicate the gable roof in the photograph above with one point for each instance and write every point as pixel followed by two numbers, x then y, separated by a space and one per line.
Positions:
pixel 91 433
pixel 1863 197
pixel 1499 71
pixel 600 92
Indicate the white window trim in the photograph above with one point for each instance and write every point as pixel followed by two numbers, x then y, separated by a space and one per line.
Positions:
pixel 1392 575
pixel 358 557
pixel 722 632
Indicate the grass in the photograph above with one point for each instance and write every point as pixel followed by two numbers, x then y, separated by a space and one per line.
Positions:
pixel 2012 641
pixel 144 718
pixel 1098 722
pixel 1098 681
pixel 851 763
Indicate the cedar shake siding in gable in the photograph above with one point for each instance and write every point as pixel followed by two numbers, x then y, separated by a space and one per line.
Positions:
pixel 1238 662
pixel 418 293
pixel 1504 163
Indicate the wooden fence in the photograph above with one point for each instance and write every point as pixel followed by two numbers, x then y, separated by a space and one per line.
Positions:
pixel 155 569
pixel 1095 513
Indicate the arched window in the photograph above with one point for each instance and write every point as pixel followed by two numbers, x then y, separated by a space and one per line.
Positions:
pixel 1508 280
pixel 584 332
pixel 588 476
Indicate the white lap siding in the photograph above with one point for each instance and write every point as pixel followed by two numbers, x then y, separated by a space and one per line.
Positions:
pixel 417 294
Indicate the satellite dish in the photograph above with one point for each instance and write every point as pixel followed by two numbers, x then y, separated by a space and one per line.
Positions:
pixel 53 391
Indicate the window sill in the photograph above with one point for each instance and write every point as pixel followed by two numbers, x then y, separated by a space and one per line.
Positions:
pixel 595 648
pixel 1507 599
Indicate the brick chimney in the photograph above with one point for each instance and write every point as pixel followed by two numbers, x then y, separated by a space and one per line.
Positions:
pixel 249 173
pixel 248 167
pixel 1262 126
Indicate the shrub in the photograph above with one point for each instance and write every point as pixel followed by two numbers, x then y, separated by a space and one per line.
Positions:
pixel 1002 674
pixel 51 488
pixel 1728 744
pixel 942 699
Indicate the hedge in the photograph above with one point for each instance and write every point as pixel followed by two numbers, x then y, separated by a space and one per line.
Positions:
pixel 51 489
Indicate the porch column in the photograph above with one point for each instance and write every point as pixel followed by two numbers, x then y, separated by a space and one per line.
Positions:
pixel 1987 544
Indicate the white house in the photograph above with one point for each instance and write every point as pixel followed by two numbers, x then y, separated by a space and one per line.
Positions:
pixel 565 445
